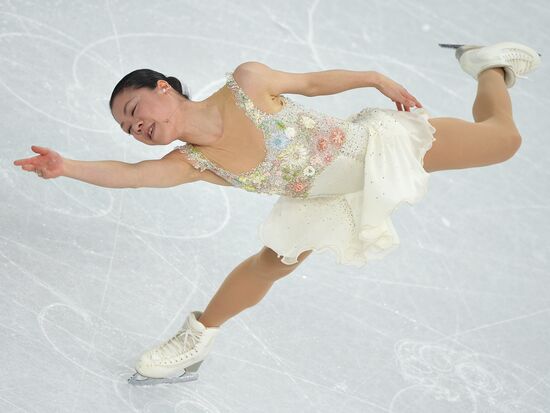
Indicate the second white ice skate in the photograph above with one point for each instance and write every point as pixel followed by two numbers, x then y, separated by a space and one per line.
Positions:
pixel 179 358
pixel 514 58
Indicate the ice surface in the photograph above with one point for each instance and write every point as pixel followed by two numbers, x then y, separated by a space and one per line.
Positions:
pixel 456 320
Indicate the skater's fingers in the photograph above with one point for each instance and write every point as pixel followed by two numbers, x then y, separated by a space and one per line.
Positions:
pixel 29 168
pixel 403 98
pixel 406 103
pixel 21 161
pixel 414 101
pixel 27 161
pixel 39 149
pixel 407 96
pixel 411 101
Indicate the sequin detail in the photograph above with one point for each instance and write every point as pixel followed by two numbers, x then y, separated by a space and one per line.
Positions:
pixel 299 142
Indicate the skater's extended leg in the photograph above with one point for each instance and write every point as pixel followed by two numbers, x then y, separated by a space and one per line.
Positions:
pixel 246 285
pixel 492 99
pixel 492 138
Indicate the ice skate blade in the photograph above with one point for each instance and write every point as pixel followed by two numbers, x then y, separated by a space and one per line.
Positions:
pixel 191 373
pixel 139 380
pixel 456 46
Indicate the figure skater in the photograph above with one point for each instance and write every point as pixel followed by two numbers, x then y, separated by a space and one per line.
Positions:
pixel 338 180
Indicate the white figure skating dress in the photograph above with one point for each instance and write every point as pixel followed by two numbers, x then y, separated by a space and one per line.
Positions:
pixel 338 180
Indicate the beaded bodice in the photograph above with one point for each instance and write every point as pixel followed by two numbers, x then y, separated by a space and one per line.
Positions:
pixel 299 144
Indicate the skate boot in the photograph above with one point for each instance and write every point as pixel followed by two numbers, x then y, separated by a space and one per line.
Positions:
pixel 178 358
pixel 516 59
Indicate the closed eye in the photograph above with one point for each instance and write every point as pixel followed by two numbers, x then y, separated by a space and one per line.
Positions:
pixel 132 116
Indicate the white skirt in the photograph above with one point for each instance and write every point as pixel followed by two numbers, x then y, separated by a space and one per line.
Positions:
pixel 351 202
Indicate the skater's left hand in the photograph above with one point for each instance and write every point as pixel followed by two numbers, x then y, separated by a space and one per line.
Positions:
pixel 397 94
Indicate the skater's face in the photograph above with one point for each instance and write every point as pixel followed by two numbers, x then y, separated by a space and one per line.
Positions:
pixel 136 110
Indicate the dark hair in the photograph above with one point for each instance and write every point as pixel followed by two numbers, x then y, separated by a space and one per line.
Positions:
pixel 146 78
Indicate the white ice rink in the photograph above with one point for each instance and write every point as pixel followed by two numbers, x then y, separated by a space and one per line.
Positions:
pixel 456 320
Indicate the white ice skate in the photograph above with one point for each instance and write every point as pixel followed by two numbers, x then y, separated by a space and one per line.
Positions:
pixel 177 359
pixel 516 59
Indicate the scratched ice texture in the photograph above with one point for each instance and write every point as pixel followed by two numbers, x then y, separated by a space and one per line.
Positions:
pixel 455 320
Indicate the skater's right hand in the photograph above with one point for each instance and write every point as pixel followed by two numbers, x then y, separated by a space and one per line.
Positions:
pixel 48 164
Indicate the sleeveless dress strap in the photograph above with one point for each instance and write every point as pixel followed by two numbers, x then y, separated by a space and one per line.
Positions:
pixel 199 161
pixel 243 100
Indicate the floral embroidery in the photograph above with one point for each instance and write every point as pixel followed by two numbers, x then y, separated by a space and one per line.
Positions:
pixel 294 156
pixel 309 171
pixel 290 132
pixel 317 160
pixel 279 141
pixel 337 137
pixel 308 122
pixel 322 144
pixel 298 186
pixel 280 124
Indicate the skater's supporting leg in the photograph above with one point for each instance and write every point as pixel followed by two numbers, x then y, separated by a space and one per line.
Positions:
pixel 492 138
pixel 246 285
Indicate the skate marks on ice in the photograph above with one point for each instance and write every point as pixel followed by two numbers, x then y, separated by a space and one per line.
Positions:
pixel 100 349
pixel 464 381
pixel 72 332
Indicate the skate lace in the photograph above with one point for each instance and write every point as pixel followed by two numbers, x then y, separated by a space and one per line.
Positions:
pixel 519 61
pixel 183 341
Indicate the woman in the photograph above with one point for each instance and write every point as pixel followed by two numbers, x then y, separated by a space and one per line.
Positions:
pixel 339 180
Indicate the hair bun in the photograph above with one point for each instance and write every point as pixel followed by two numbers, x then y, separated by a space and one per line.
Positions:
pixel 176 84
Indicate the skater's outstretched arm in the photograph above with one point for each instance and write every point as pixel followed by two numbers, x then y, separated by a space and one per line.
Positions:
pixel 310 84
pixel 326 82
pixel 159 173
